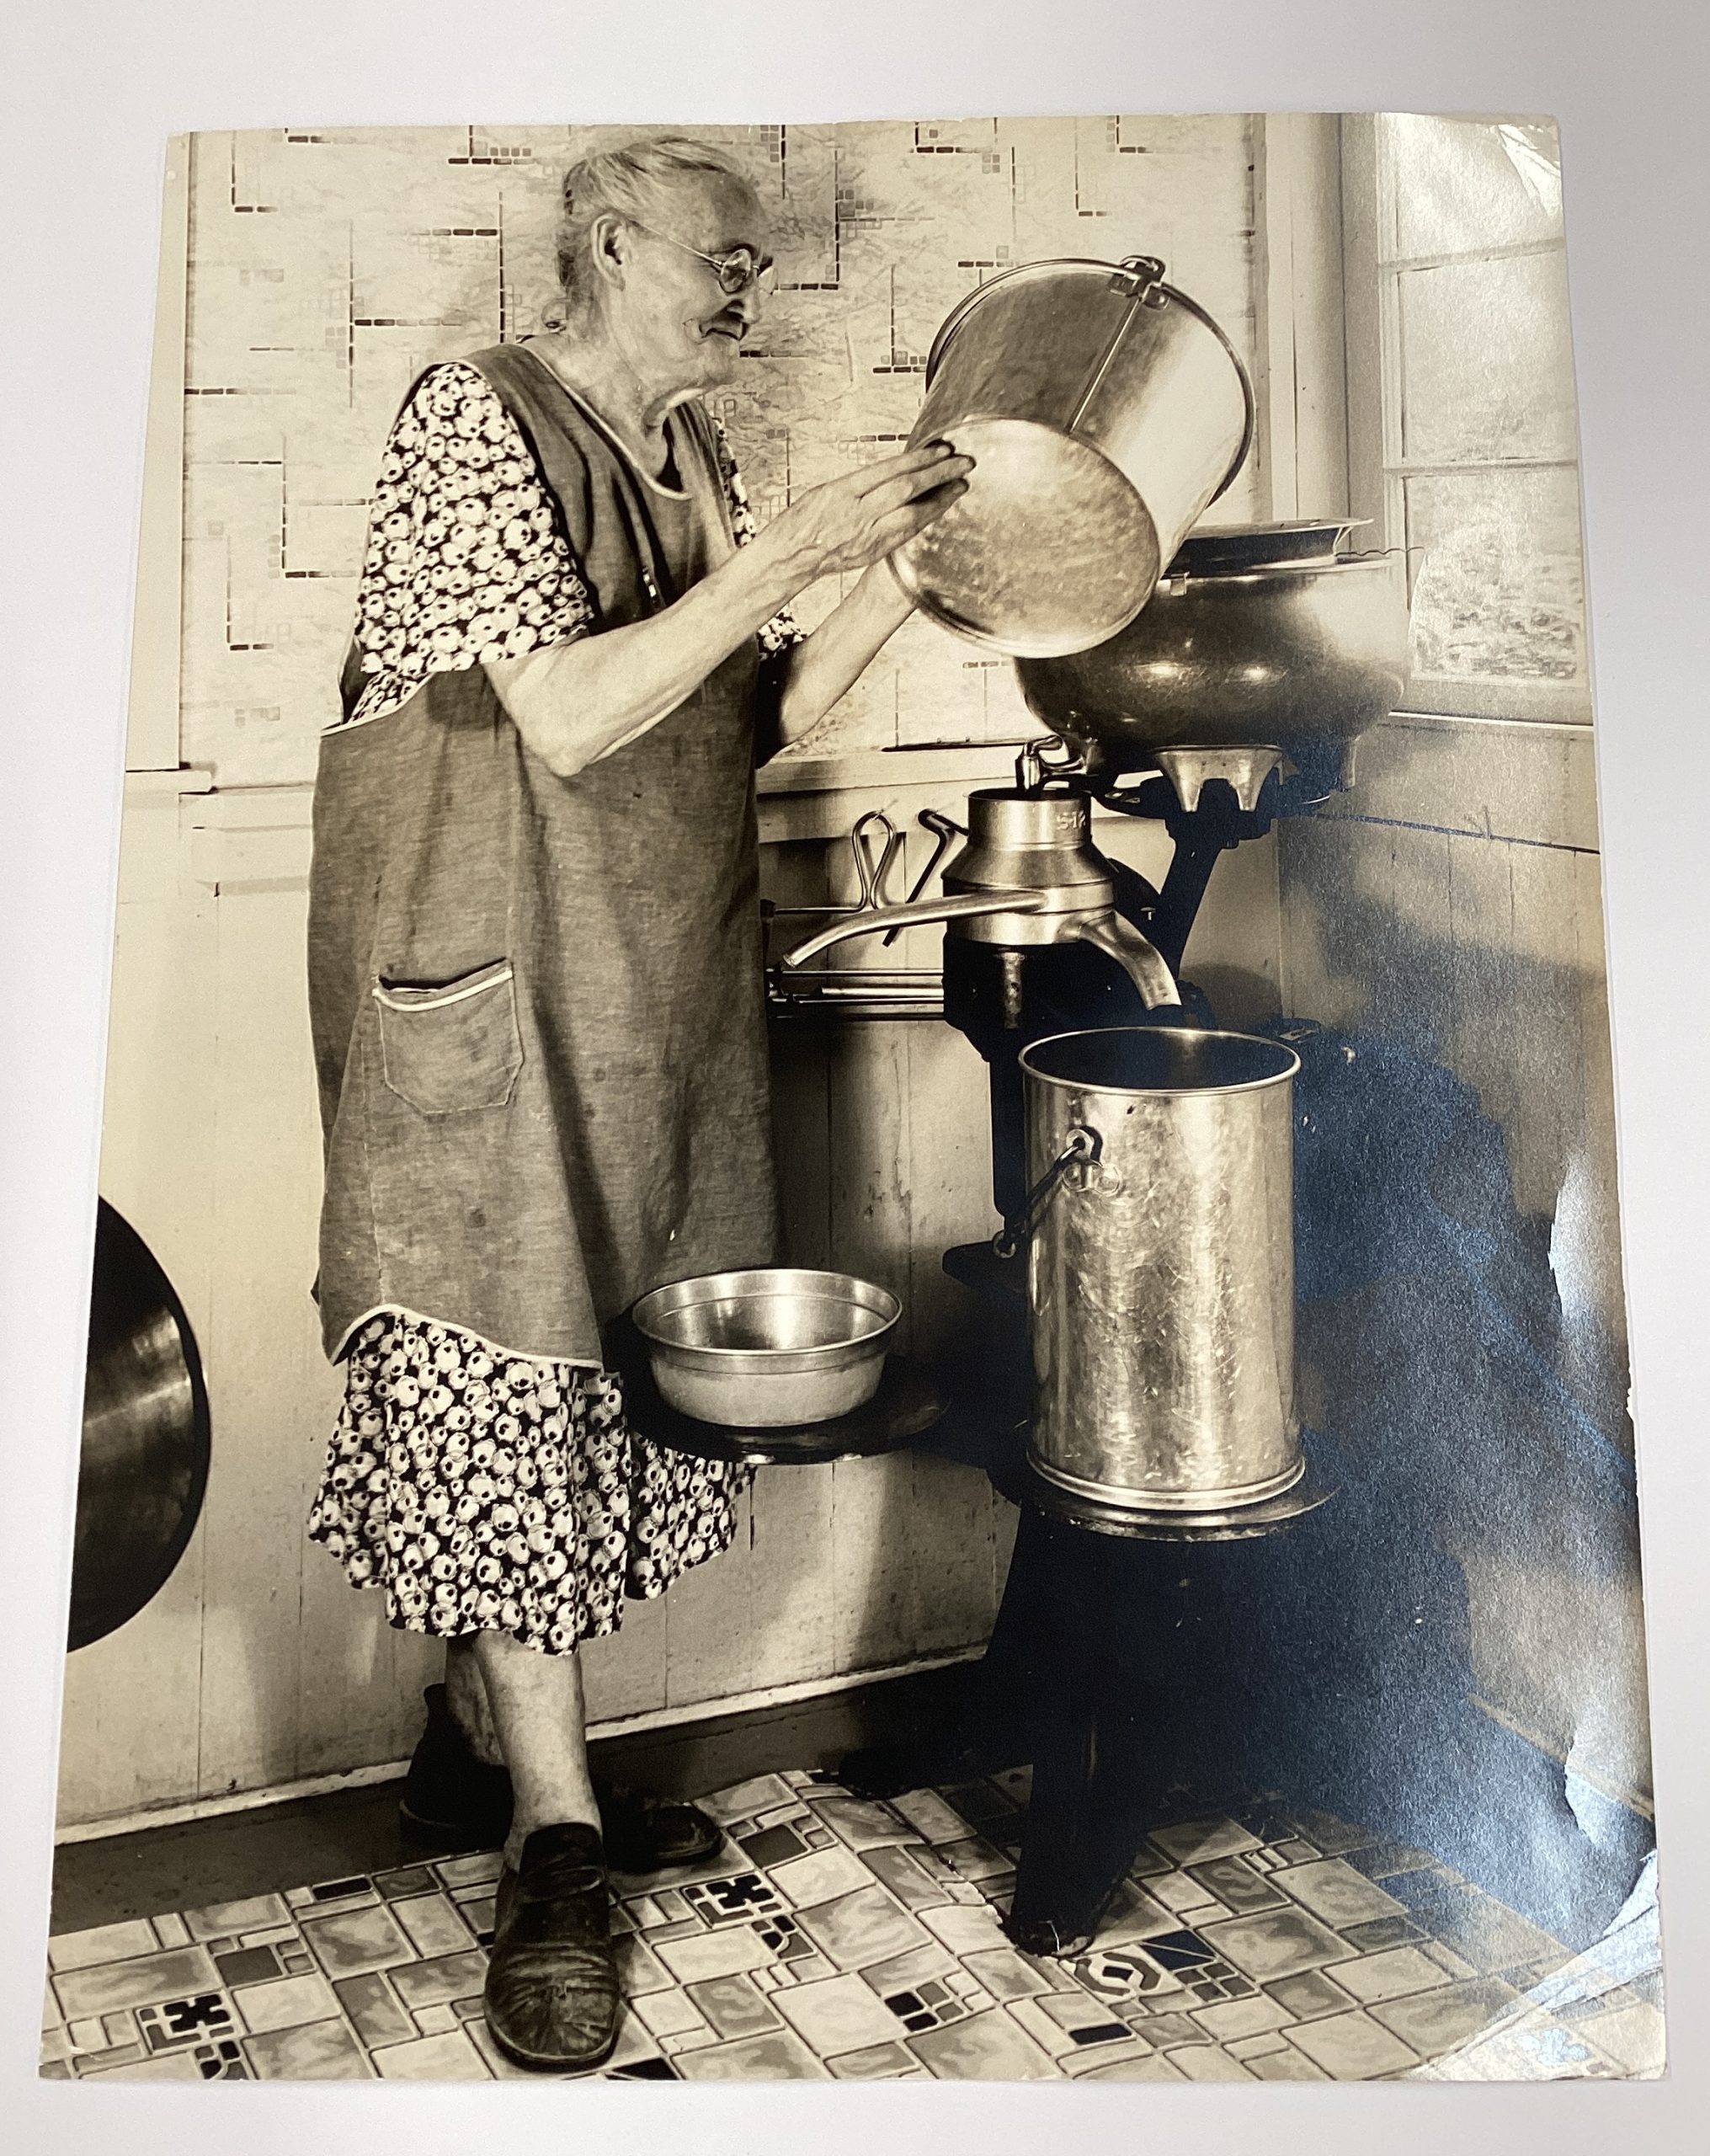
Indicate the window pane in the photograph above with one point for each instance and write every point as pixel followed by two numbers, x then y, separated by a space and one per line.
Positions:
pixel 1486 367
pixel 1462 185
pixel 1497 592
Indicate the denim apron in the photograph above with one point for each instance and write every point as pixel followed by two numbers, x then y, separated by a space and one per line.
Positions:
pixel 537 1003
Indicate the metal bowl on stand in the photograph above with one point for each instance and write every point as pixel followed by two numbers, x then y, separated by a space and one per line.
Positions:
pixel 770 1348
pixel 1262 633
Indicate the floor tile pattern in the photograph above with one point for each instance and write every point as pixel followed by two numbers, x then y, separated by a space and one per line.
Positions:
pixel 832 1937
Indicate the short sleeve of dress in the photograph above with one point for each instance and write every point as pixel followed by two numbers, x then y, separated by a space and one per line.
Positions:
pixel 466 558
pixel 782 632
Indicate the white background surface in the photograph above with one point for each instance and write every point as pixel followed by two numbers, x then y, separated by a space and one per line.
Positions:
pixel 92 88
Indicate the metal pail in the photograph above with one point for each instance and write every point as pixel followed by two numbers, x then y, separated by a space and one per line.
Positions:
pixel 1104 411
pixel 1161 1266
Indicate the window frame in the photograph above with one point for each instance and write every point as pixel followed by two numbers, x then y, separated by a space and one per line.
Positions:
pixel 1377 470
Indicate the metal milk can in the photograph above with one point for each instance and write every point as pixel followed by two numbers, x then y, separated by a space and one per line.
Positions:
pixel 1161 1266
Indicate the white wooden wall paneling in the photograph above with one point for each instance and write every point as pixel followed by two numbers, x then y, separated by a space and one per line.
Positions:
pixel 871 1191
pixel 1553 1068
pixel 1451 902
pixel 258 1665
pixel 1534 781
pixel 251 1667
pixel 792 1586
pixel 1597 1196
pixel 627 1673
pixel 131 1721
pixel 1300 372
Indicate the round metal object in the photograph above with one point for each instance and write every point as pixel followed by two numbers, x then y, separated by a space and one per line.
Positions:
pixel 1028 876
pixel 1161 1276
pixel 1291 653
pixel 769 1346
pixel 144 1464
pixel 1039 844
pixel 1311 1490
pixel 912 1398
pixel 1104 410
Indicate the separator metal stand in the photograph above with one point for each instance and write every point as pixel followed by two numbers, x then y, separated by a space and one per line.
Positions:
pixel 1133 1661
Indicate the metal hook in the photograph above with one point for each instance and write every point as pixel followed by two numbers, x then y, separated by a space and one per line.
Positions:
pixel 869 874
pixel 946 831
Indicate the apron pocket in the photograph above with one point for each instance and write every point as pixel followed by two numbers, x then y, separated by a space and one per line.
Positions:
pixel 453 1047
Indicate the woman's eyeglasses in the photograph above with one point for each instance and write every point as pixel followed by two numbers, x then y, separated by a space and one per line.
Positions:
pixel 735 270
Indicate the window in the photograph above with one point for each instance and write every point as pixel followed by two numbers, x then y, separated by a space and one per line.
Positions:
pixel 1463 442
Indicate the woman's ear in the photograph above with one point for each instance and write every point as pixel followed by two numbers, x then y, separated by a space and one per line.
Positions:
pixel 608 247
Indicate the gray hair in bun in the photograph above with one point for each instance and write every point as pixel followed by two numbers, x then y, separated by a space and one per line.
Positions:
pixel 631 181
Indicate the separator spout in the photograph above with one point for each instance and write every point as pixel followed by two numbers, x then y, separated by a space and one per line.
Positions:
pixel 1140 960
pixel 875 921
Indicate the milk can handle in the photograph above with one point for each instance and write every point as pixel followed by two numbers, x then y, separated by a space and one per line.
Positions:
pixel 1082 1143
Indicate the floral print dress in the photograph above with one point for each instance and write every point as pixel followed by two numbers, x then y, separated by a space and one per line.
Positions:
pixel 481 1489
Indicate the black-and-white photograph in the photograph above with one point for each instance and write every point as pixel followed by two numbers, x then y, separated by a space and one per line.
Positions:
pixel 857 1309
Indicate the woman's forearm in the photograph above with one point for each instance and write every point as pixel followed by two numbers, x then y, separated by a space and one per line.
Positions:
pixel 575 703
pixel 827 665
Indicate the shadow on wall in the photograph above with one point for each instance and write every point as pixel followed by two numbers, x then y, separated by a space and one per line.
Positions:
pixel 1486 957
pixel 1472 1469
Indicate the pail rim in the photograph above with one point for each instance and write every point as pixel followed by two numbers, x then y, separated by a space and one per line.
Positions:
pixel 1210 1039
pixel 905 571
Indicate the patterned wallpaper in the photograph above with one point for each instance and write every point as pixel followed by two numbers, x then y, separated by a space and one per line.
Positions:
pixel 327 269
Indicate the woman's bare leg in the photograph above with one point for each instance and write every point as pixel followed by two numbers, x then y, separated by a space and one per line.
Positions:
pixel 466 1699
pixel 535 1701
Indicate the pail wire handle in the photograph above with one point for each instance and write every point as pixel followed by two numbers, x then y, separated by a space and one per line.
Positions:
pixel 1082 1145
pixel 1140 277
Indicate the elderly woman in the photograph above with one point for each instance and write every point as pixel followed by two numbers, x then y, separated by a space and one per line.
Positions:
pixel 537 1000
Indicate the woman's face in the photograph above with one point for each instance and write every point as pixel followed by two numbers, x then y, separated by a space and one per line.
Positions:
pixel 680 330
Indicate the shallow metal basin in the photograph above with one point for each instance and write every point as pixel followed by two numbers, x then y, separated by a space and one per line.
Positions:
pixel 146 1440
pixel 768 1347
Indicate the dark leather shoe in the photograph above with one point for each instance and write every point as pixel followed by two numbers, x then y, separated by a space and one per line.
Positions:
pixel 551 1992
pixel 451 1800
pixel 644 1834
pixel 454 1800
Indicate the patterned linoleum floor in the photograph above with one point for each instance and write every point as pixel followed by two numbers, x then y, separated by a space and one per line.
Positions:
pixel 834 1937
